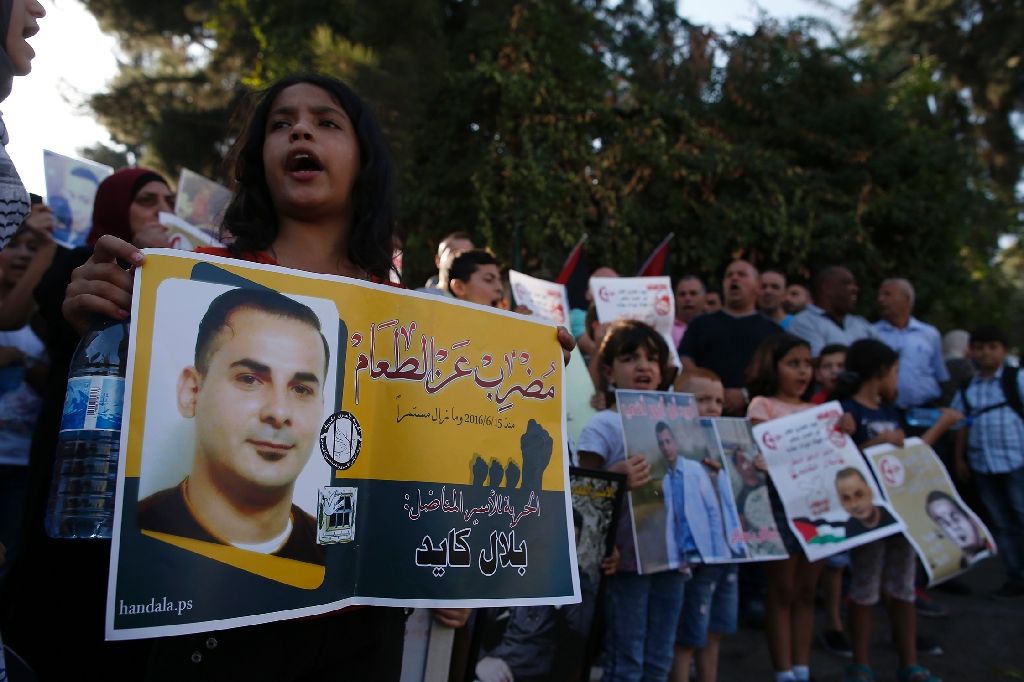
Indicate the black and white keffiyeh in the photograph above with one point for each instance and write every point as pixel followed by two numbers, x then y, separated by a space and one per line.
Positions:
pixel 14 205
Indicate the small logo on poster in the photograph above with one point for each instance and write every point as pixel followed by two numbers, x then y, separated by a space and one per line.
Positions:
pixel 337 515
pixel 662 304
pixel 340 439
pixel 892 471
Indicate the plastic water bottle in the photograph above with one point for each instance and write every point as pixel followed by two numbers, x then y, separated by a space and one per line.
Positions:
pixel 925 418
pixel 81 503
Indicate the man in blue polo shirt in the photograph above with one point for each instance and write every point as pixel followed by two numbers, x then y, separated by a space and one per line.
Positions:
pixel 922 367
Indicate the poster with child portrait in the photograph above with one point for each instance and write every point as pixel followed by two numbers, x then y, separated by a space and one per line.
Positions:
pixel 947 535
pixel 201 202
pixel 830 497
pixel 71 186
pixel 749 486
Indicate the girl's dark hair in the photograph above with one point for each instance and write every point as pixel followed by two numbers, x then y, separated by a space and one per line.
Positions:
pixel 763 370
pixel 865 360
pixel 251 219
pixel 626 336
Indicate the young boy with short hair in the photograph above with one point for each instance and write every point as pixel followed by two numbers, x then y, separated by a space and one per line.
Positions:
pixel 711 596
pixel 994 452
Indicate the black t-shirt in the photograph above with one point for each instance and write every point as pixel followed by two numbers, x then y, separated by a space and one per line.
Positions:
pixel 855 527
pixel 872 423
pixel 725 344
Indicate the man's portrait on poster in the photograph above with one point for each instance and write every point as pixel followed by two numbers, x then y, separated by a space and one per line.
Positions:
pixel 241 382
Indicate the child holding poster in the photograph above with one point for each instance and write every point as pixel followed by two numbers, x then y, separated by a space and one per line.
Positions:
pixel 779 378
pixel 867 391
pixel 312 192
pixel 711 596
pixel 642 610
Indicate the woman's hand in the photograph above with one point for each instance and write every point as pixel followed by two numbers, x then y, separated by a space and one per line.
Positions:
pixel 101 286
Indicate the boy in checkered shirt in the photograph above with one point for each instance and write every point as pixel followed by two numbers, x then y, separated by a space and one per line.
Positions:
pixel 994 456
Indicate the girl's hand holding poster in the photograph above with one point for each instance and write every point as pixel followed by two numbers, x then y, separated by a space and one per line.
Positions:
pixel 947 536
pixel 831 499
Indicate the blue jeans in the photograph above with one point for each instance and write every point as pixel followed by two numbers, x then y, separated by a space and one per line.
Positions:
pixel 1003 497
pixel 710 604
pixel 643 612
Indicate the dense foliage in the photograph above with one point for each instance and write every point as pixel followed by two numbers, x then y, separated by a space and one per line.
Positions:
pixel 529 123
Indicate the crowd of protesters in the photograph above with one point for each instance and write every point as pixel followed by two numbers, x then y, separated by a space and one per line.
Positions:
pixel 758 346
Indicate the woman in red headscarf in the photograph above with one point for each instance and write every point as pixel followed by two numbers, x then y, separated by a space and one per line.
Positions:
pixel 127 205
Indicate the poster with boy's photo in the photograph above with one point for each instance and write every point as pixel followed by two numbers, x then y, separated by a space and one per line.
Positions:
pixel 831 499
pixel 676 515
pixel 749 486
pixel 948 537
pixel 550 643
pixel 201 202
pixel 71 186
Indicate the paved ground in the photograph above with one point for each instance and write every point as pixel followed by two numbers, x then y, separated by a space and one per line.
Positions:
pixel 983 640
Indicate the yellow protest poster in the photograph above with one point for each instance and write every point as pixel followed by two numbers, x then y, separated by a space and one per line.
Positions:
pixel 295 443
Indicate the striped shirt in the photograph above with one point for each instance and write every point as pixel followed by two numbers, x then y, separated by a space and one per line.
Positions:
pixel 996 441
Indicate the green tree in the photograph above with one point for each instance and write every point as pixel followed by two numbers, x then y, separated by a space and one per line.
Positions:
pixel 976 49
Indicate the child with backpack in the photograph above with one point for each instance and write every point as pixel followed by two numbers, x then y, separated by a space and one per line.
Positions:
pixel 991 453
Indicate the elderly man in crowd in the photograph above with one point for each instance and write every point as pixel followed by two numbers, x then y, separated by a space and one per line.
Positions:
pixel 922 367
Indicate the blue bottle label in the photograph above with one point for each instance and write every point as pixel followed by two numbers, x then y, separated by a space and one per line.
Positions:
pixel 93 404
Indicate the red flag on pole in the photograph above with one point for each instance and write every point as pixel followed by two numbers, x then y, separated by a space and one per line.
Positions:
pixel 656 264
pixel 571 262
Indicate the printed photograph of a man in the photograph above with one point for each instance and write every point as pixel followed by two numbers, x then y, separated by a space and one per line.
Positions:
pixel 255 391
pixel 956 524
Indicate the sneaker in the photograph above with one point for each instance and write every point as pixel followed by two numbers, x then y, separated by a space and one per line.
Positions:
pixel 1011 588
pixel 927 646
pixel 835 643
pixel 916 673
pixel 928 607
